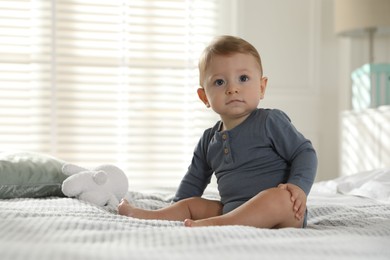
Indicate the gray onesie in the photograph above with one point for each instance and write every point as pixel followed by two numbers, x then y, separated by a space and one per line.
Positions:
pixel 262 152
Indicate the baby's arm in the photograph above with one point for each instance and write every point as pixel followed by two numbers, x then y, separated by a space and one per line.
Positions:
pixel 298 197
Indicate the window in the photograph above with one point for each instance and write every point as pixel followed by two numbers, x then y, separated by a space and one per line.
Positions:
pixel 108 81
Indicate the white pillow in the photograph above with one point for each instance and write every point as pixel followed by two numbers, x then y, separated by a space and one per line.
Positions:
pixel 373 184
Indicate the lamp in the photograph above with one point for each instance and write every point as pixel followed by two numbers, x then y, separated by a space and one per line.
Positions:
pixel 357 18
pixel 366 18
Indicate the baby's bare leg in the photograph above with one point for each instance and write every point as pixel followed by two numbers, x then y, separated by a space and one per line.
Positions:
pixel 271 208
pixel 192 208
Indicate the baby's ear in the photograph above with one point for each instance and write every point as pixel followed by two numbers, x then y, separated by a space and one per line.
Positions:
pixel 71 169
pixel 263 86
pixel 202 96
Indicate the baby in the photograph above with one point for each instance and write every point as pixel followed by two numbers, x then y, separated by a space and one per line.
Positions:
pixel 264 167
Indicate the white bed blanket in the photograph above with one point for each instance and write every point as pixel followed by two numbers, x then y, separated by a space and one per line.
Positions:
pixel 339 227
pixel 374 184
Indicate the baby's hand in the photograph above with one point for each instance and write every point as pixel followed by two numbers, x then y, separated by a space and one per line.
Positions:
pixel 298 197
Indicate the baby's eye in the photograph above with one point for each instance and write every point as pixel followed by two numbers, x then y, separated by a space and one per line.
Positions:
pixel 219 82
pixel 244 78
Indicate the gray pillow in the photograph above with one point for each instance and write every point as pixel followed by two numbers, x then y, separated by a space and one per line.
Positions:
pixel 30 175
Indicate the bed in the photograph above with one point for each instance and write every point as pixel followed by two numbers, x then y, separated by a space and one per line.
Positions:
pixel 349 218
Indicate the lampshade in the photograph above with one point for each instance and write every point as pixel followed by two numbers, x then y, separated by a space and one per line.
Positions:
pixel 355 17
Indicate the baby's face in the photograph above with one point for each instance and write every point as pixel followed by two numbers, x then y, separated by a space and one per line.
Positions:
pixel 234 85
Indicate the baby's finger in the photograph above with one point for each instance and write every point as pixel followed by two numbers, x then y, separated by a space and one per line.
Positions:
pixel 302 210
pixel 293 197
pixel 297 205
pixel 294 194
pixel 298 216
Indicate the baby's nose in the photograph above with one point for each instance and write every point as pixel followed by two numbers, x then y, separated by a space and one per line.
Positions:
pixel 232 89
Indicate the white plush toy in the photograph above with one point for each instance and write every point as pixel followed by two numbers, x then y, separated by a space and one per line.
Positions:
pixel 105 185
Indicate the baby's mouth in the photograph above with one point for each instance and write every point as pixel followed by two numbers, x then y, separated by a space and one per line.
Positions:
pixel 234 101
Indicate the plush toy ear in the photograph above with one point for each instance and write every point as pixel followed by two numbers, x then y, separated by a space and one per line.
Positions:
pixel 100 177
pixel 71 169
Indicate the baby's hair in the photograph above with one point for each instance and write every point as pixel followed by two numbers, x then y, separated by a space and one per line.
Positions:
pixel 226 45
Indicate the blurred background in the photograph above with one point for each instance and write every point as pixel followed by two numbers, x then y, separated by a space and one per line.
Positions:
pixel 114 81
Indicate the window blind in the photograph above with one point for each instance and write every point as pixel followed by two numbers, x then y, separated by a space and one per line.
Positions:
pixel 108 81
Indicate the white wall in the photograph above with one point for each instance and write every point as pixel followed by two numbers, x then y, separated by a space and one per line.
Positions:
pixel 308 66
pixel 365 137
pixel 288 35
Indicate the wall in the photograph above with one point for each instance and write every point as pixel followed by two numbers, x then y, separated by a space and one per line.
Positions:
pixel 298 49
pixel 365 139
pixel 372 144
pixel 308 66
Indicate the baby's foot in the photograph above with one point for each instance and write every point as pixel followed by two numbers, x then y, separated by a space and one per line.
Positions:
pixel 188 222
pixel 199 223
pixel 125 209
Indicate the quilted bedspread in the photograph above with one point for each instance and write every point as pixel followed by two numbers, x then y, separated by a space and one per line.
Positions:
pixel 339 227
